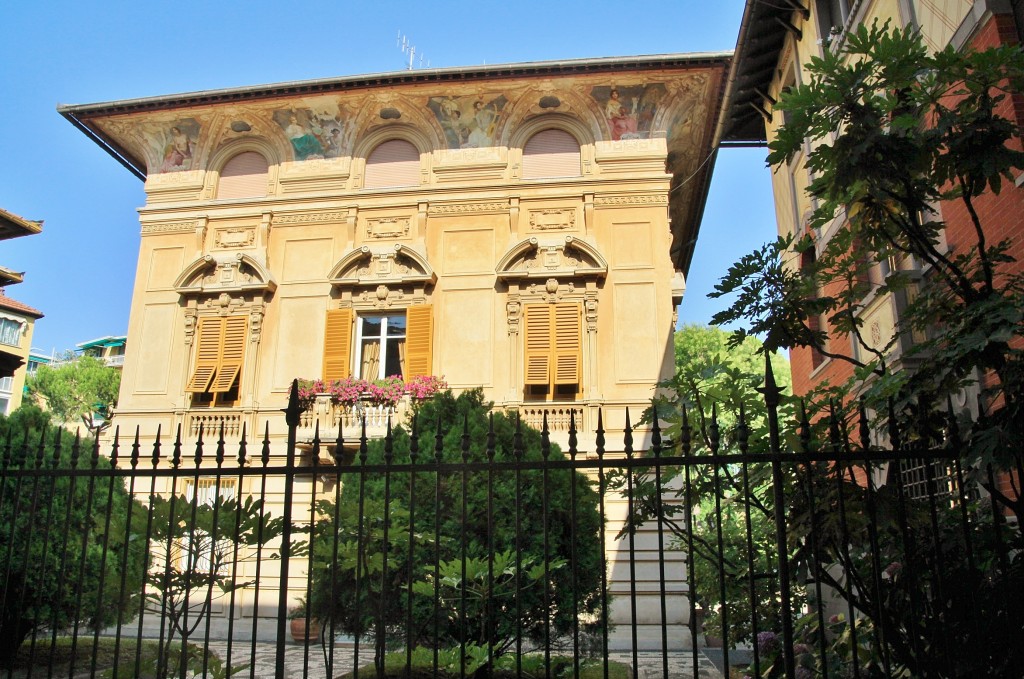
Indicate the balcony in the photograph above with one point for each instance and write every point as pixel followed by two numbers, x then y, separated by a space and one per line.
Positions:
pixel 327 415
pixel 114 361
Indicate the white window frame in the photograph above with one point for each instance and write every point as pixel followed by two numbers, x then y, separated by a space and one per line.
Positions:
pixel 357 368
pixel 7 325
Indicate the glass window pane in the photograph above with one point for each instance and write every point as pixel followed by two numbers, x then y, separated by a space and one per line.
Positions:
pixel 371 326
pixel 396 325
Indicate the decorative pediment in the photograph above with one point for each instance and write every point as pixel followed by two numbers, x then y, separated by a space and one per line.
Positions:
pixel 369 267
pixel 568 257
pixel 223 273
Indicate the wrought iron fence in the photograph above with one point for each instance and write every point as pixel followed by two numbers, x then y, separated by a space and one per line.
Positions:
pixel 473 546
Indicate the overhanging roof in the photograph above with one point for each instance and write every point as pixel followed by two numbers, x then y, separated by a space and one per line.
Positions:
pixel 761 38
pixel 80 114
pixel 13 226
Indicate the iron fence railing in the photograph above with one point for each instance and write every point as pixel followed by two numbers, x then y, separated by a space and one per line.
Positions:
pixel 475 547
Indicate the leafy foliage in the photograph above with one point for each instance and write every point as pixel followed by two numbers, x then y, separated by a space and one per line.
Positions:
pixel 897 137
pixel 198 545
pixel 80 388
pixel 897 132
pixel 65 547
pixel 362 580
pixel 714 382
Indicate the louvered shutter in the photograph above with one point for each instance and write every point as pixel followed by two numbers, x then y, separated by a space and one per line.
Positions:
pixel 393 163
pixel 551 153
pixel 568 344
pixel 208 340
pixel 337 344
pixel 232 353
pixel 537 358
pixel 419 332
pixel 244 176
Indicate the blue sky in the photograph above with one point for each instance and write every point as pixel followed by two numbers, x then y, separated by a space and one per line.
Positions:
pixel 80 270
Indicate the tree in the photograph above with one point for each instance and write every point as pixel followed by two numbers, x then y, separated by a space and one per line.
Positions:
pixel 64 547
pixel 895 131
pixel 79 388
pixel 714 382
pixel 545 593
pixel 198 545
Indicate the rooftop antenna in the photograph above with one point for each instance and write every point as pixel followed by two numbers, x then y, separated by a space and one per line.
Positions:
pixel 409 49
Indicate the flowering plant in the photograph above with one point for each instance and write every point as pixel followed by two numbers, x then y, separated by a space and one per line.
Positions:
pixel 308 389
pixel 347 391
pixel 386 392
pixel 424 386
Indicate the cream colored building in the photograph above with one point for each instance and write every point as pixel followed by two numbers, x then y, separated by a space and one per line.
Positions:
pixel 17 320
pixel 516 226
pixel 523 228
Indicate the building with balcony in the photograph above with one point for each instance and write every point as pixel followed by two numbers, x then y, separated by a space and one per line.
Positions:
pixel 525 229
pixel 109 349
pixel 17 320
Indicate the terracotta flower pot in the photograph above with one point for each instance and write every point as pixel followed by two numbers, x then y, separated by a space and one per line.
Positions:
pixel 303 634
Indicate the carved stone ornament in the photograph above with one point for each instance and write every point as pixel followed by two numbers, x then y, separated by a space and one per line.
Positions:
pixel 171 227
pixel 234 238
pixel 227 273
pixel 388 227
pixel 569 257
pixel 513 312
pixel 396 266
pixel 561 219
pixel 552 291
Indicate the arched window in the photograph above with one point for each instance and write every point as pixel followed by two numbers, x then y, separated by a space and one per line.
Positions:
pixel 244 176
pixel 393 163
pixel 551 153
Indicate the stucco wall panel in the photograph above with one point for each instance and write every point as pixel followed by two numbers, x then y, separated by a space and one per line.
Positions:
pixel 165 263
pixel 464 332
pixel 637 351
pixel 306 259
pixel 298 343
pixel 153 351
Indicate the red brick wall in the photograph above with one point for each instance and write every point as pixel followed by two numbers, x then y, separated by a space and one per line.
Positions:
pixel 1002 216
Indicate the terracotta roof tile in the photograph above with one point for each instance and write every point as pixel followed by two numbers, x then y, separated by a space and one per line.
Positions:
pixel 14 305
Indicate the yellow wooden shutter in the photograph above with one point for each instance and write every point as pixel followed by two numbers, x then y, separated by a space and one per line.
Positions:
pixel 337 344
pixel 208 341
pixel 232 353
pixel 419 333
pixel 537 357
pixel 568 345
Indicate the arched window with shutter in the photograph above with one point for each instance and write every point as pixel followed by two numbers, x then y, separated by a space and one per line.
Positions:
pixel 243 176
pixel 551 153
pixel 391 164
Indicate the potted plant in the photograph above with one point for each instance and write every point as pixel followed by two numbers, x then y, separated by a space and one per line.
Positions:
pixel 301 632
pixel 386 392
pixel 347 391
pixel 308 390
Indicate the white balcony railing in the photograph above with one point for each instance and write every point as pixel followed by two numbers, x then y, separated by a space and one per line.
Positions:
pixel 114 361
pixel 328 415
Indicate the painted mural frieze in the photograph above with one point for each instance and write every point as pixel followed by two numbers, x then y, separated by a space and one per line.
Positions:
pixel 314 133
pixel 468 121
pixel 630 111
